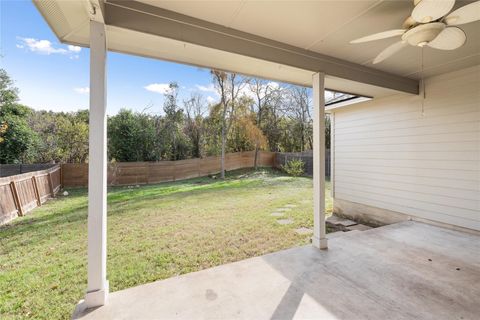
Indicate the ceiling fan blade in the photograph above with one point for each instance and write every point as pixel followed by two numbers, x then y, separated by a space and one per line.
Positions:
pixel 430 10
pixel 380 35
pixel 450 38
pixel 390 51
pixel 465 14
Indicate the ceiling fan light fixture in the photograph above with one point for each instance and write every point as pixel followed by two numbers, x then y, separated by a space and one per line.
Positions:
pixel 429 25
pixel 423 33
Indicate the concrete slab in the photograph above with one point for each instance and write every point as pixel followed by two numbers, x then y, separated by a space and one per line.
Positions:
pixel 285 221
pixel 335 220
pixel 359 227
pixel 335 234
pixel 402 271
pixel 290 206
pixel 284 209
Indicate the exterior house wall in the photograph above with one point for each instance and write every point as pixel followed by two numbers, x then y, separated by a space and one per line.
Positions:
pixel 394 161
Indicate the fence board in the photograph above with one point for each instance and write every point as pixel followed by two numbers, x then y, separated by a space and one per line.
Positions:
pixel 8 208
pixel 133 173
pixel 23 192
pixel 26 194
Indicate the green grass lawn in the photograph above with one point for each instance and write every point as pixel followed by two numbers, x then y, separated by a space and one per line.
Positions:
pixel 154 232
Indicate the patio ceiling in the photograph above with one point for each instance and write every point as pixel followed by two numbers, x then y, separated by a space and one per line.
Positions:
pixel 280 40
pixel 164 36
pixel 327 27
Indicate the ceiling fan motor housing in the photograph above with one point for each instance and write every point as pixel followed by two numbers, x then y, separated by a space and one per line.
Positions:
pixel 423 34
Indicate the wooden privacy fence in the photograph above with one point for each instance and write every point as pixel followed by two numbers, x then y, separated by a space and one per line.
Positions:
pixel 23 192
pixel 133 173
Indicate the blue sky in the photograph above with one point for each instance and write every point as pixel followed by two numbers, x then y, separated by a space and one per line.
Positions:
pixel 54 76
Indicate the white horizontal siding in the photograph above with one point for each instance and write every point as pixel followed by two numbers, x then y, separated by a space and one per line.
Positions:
pixel 393 154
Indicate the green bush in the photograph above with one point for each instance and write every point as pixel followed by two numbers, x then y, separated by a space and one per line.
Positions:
pixel 295 167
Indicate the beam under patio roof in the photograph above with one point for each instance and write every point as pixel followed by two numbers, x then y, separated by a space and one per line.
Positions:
pixel 156 21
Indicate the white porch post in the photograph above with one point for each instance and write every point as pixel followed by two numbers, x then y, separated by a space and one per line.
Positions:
pixel 97 290
pixel 319 229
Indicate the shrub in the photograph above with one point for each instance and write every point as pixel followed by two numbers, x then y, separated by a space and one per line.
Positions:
pixel 294 167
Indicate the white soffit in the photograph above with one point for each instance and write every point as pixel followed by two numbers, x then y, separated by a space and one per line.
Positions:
pixel 75 30
pixel 327 27
pixel 321 26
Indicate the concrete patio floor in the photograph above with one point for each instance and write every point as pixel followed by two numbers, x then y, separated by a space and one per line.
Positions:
pixel 408 270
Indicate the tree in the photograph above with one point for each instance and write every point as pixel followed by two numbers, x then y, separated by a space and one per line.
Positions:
pixel 248 127
pixel 195 123
pixel 273 120
pixel 131 137
pixel 252 114
pixel 298 108
pixel 327 131
pixel 45 124
pixel 175 143
pixel 229 86
pixel 8 93
pixel 63 137
pixel 3 129
pixel 17 139
pixel 73 138
pixel 265 92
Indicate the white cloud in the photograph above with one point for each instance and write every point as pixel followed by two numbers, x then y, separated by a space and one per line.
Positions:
pixel 211 100
pixel 162 88
pixel 209 88
pixel 74 48
pixel 47 47
pixel 82 90
pixel 40 46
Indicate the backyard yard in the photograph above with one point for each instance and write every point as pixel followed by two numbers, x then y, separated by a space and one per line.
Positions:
pixel 154 232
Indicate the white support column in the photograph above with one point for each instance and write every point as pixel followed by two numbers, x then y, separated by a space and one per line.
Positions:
pixel 319 229
pixel 97 290
pixel 332 155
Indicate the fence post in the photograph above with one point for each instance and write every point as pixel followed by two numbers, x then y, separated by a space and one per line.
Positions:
pixel 35 189
pixel 17 198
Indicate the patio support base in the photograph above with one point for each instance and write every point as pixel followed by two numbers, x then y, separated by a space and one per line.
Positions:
pixel 319 239
pixel 320 243
pixel 97 297
pixel 93 299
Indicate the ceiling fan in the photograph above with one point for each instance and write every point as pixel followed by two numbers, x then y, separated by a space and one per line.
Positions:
pixel 429 25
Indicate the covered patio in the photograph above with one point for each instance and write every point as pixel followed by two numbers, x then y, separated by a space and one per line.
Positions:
pixel 402 271
pixel 407 270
